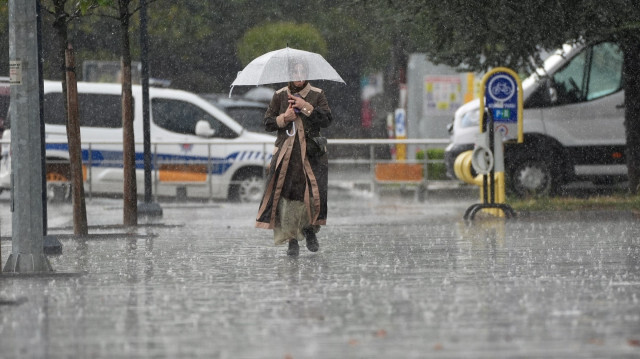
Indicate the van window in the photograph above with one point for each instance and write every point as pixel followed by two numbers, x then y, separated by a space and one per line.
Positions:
pixel 94 110
pixel 595 72
pixel 181 117
pixel 606 70
pixel 251 118
pixel 569 81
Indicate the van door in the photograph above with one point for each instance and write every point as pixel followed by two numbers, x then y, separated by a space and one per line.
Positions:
pixel 587 115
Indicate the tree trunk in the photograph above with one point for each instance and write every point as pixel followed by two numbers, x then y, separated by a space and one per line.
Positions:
pixel 632 111
pixel 128 147
pixel 80 227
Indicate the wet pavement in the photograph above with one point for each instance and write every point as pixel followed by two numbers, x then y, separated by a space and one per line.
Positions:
pixel 394 278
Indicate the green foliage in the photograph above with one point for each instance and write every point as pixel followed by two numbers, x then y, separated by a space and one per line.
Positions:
pixel 352 40
pixel 480 35
pixel 435 171
pixel 86 5
pixel 197 44
pixel 433 153
pixel 273 36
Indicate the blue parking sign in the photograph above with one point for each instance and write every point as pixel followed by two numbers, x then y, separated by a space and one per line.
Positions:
pixel 401 123
pixel 501 95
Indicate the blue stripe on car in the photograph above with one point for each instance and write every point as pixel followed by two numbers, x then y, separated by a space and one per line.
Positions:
pixel 105 158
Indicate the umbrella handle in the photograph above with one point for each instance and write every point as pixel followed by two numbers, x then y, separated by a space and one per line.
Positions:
pixel 293 124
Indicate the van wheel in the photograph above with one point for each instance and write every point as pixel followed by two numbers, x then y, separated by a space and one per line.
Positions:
pixel 58 187
pixel 247 187
pixel 531 178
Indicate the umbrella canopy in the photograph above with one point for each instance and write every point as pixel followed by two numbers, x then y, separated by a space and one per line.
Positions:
pixel 275 67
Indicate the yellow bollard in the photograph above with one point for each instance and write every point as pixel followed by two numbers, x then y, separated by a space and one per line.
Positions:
pixel 462 169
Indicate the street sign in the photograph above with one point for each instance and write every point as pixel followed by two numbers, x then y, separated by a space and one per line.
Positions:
pixel 503 98
pixel 401 133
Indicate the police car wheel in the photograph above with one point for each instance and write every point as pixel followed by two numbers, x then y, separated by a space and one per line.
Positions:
pixel 58 192
pixel 248 187
pixel 531 178
pixel 58 188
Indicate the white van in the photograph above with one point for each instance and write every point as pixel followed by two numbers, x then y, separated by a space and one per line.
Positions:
pixel 194 146
pixel 573 123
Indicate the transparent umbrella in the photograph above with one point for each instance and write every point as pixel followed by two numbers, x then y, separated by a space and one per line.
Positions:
pixel 276 67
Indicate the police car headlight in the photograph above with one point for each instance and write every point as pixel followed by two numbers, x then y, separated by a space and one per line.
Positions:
pixel 470 119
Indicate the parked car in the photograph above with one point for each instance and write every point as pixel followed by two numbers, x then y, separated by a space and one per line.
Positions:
pixel 573 123
pixel 196 147
pixel 260 94
pixel 249 114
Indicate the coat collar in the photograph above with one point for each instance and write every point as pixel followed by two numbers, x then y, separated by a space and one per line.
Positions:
pixel 304 92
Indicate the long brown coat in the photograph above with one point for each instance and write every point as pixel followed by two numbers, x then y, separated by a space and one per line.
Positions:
pixel 292 173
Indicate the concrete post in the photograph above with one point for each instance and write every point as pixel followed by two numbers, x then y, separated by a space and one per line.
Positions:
pixel 27 253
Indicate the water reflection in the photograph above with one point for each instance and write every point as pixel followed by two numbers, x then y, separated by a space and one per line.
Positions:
pixel 390 280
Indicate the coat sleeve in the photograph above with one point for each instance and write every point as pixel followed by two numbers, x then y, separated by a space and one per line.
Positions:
pixel 321 116
pixel 271 114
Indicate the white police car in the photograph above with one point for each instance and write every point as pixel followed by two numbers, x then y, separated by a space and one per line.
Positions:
pixel 195 146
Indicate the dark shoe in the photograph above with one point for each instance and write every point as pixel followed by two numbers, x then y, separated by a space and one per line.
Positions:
pixel 294 248
pixel 312 241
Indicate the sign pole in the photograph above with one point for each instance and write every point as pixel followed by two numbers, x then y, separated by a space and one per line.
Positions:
pixel 501 107
pixel 27 242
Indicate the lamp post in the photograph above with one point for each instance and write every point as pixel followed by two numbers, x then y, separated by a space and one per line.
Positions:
pixel 147 208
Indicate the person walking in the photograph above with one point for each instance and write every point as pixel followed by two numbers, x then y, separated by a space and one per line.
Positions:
pixel 294 203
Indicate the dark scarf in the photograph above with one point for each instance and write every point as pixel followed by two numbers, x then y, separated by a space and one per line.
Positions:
pixel 294 89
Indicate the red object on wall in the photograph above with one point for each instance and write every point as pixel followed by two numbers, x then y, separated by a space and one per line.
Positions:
pixel 366 114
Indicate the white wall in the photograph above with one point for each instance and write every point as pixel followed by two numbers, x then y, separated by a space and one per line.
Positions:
pixel 429 110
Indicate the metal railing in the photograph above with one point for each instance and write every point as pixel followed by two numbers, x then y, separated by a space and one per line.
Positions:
pixel 370 160
pixel 358 168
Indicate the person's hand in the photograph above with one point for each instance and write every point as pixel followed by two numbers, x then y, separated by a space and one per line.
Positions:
pixel 297 102
pixel 289 114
